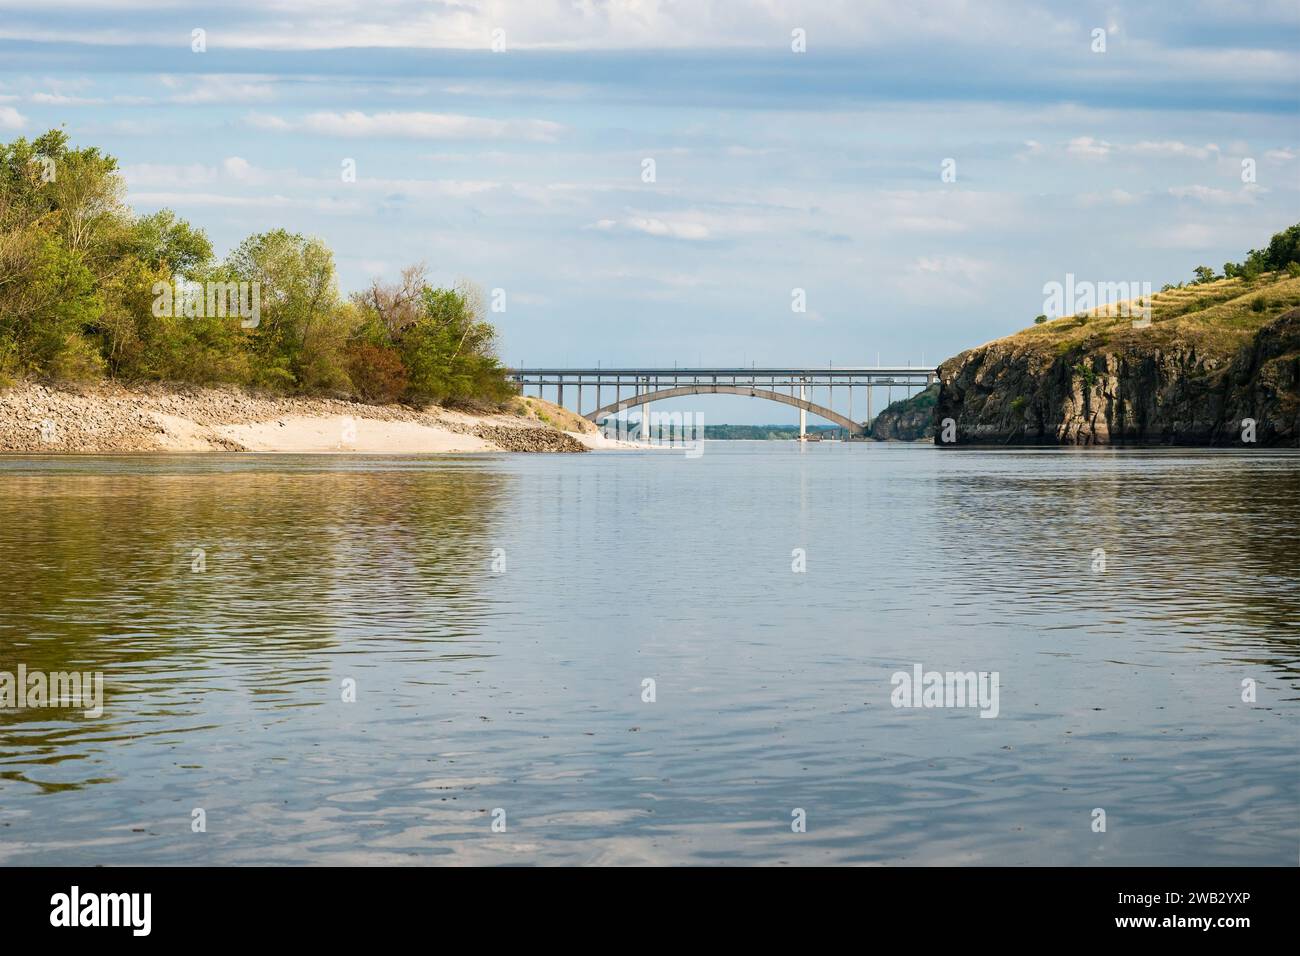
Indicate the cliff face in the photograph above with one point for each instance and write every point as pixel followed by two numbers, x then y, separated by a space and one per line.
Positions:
pixel 911 419
pixel 1188 378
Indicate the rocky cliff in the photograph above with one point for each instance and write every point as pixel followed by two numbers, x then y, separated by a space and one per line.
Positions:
pixel 910 419
pixel 1212 357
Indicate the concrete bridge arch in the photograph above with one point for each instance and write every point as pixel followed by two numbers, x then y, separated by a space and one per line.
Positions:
pixel 751 391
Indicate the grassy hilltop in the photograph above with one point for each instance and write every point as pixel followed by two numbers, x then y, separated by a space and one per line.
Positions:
pixel 1216 352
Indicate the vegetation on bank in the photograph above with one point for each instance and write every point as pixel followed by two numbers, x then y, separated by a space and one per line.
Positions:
pixel 82 283
pixel 766 432
pixel 908 419
pixel 1213 311
pixel 1212 362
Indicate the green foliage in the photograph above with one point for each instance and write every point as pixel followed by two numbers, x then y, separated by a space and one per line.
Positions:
pixel 1204 274
pixel 764 432
pixel 446 347
pixel 1039 319
pixel 299 340
pixel 1281 253
pixel 1085 372
pixel 162 241
pixel 86 290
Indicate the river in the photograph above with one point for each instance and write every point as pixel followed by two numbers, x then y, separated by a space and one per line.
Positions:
pixel 645 657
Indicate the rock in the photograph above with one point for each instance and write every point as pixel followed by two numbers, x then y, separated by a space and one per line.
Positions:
pixel 910 419
pixel 1176 391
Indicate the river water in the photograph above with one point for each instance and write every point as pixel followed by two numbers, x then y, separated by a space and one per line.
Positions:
pixel 499 619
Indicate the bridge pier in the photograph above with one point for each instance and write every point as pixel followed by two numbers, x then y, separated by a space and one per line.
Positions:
pixel 645 416
pixel 803 412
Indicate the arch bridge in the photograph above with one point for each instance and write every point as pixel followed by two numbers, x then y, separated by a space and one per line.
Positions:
pixel 796 387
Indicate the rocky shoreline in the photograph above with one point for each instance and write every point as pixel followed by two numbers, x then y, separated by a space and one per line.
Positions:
pixel 1134 385
pixel 911 419
pixel 109 418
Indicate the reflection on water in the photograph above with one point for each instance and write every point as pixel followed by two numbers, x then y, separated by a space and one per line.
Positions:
pixel 227 599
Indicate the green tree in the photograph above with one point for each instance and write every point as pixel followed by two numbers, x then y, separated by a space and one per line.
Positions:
pixel 450 352
pixel 299 339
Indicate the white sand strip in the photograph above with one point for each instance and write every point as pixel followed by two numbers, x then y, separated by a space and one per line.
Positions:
pixel 311 434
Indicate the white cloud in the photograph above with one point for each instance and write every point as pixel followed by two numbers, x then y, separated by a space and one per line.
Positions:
pixel 653 226
pixel 158 174
pixel 62 99
pixel 219 88
pixel 184 200
pixel 1032 148
pixel 10 118
pixel 233 169
pixel 1088 148
pixel 1174 148
pixel 1115 197
pixel 943 279
pixel 1190 235
pixel 954 267
pixel 565 24
pixel 1217 197
pixel 410 125
pixel 240 170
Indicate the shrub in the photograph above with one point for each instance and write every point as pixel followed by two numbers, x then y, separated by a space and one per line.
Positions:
pixel 1040 319
pixel 1085 372
pixel 377 373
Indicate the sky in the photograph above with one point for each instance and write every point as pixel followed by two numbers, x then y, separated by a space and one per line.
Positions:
pixel 649 181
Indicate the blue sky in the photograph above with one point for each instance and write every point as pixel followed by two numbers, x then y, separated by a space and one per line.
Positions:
pixel 775 170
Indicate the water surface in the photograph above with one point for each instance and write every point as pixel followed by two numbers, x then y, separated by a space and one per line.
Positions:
pixel 521 689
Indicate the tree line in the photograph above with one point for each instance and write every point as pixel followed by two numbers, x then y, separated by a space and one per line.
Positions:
pixel 86 292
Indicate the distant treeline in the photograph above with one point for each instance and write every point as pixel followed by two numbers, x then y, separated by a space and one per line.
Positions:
pixel 763 432
pixel 89 289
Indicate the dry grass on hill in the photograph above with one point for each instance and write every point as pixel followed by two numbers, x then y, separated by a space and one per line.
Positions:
pixel 1223 314
pixel 548 413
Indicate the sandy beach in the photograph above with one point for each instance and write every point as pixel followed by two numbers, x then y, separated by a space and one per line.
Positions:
pixel 114 419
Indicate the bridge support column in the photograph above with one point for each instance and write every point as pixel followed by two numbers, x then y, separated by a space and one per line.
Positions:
pixel 803 412
pixel 645 419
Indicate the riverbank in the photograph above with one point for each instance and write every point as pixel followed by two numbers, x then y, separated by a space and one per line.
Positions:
pixel 1216 364
pixel 109 418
